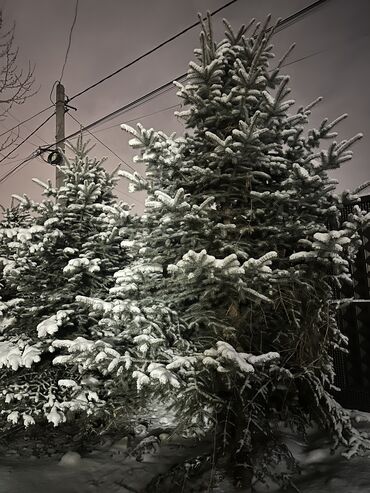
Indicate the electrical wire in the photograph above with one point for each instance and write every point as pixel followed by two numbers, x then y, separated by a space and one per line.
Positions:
pixel 69 41
pixel 291 19
pixel 26 138
pixel 141 117
pixel 113 152
pixel 18 160
pixel 306 57
pixel 27 120
pixel 66 55
pixel 28 128
pixel 117 112
pixel 36 154
pixel 51 92
pixel 117 71
pixel 281 25
pixel 141 100
pixel 136 104
pixel 101 142
pixel 129 64
pixel 13 160
pixel 18 166
pixel 284 23
pixel 329 48
pixel 148 98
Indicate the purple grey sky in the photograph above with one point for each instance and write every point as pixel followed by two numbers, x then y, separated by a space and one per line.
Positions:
pixel 109 34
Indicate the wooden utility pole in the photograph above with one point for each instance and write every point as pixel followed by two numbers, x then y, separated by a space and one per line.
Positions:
pixel 60 131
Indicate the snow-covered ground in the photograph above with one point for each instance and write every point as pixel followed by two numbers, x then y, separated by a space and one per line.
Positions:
pixel 109 471
pixel 115 469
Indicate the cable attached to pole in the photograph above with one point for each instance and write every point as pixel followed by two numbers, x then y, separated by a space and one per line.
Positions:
pixel 69 42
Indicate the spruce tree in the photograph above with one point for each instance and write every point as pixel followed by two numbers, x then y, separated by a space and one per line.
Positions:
pixel 229 311
pixel 13 217
pixel 72 244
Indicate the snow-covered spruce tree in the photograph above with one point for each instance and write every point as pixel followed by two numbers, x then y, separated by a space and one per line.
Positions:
pixel 73 246
pixel 231 310
pixel 13 217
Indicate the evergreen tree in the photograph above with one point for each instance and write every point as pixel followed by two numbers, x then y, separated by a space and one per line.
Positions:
pixel 13 217
pixel 229 313
pixel 72 244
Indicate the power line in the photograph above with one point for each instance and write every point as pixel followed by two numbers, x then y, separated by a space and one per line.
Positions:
pixel 28 128
pixel 27 120
pixel 152 94
pixel 288 20
pixel 135 104
pixel 110 150
pixel 325 50
pixel 18 160
pixel 69 41
pixel 18 166
pixel 129 64
pixel 101 142
pixel 126 107
pixel 117 71
pixel 306 57
pixel 13 159
pixel 39 151
pixel 281 25
pixel 141 117
pixel 291 19
pixel 26 138
pixel 51 92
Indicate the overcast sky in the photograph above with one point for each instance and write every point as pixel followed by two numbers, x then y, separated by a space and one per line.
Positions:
pixel 110 33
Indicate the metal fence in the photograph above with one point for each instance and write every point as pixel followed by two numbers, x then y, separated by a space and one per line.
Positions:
pixel 353 369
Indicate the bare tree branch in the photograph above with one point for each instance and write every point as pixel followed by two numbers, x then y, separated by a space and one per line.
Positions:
pixel 16 84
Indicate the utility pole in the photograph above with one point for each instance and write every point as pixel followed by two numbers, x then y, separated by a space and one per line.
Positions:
pixel 60 131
